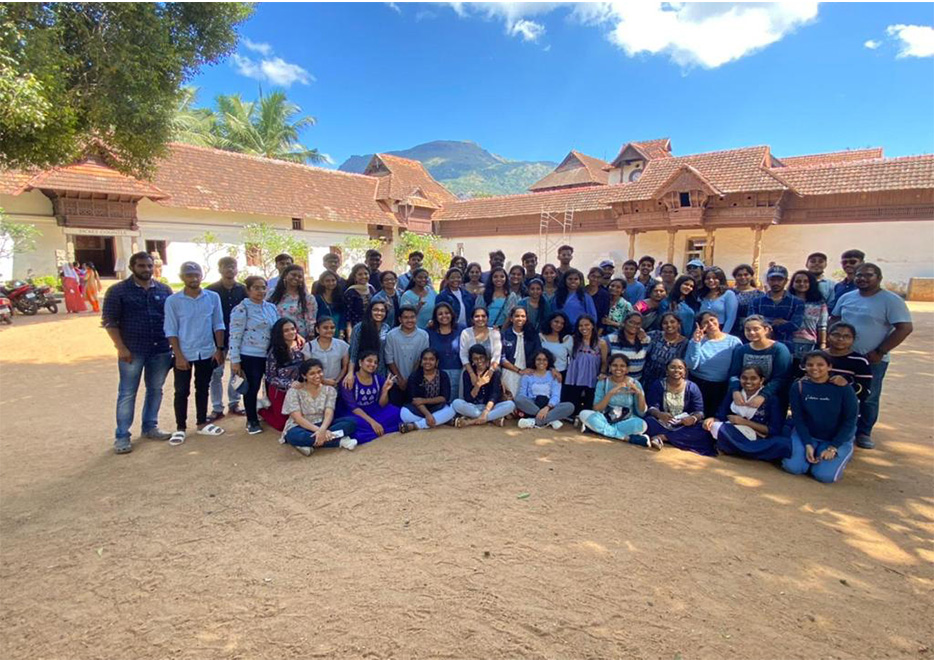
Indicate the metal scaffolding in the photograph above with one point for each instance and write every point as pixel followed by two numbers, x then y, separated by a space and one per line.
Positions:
pixel 554 230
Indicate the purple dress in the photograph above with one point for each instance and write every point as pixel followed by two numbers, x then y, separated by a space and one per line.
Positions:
pixel 366 397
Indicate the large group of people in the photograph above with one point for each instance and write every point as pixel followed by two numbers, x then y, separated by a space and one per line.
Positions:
pixel 790 372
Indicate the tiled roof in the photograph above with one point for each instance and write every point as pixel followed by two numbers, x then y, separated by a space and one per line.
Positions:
pixel 830 157
pixel 648 149
pixel 908 173
pixel 576 169
pixel 406 175
pixel 736 170
pixel 215 180
pixel 90 175
pixel 12 181
pixel 579 199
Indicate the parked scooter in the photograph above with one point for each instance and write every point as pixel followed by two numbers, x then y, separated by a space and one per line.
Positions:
pixel 6 310
pixel 22 295
pixel 45 297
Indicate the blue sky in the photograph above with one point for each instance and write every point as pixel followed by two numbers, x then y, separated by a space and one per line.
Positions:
pixel 530 82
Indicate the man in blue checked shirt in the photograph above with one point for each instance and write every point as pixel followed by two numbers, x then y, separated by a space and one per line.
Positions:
pixel 134 315
pixel 194 326
pixel 781 308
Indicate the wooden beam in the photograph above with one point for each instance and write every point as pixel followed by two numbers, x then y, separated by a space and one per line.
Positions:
pixel 757 250
pixel 671 245
pixel 709 248
pixel 632 242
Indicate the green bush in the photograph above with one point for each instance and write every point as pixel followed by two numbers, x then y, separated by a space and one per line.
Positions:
pixel 48 280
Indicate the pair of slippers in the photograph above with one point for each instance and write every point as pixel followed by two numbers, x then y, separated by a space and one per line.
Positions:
pixel 178 437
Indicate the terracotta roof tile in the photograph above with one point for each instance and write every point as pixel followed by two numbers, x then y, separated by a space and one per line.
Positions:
pixel 93 176
pixel 648 149
pixel 736 170
pixel 831 157
pixel 406 175
pixel 211 179
pixel 13 181
pixel 576 169
pixel 579 199
pixel 908 173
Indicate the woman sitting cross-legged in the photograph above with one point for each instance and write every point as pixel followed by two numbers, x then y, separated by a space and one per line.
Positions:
pixel 619 406
pixel 676 410
pixel 482 396
pixel 368 399
pixel 745 427
pixel 824 418
pixel 310 407
pixel 539 395
pixel 428 393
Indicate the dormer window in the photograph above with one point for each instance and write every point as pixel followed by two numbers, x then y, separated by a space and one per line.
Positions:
pixel 635 175
pixel 684 200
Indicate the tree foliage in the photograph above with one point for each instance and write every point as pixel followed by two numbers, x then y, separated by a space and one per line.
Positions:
pixel 210 245
pixel 263 242
pixel 353 250
pixel 269 126
pixel 16 237
pixel 437 259
pixel 73 72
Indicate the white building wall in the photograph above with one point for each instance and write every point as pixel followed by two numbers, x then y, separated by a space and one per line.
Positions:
pixel 34 208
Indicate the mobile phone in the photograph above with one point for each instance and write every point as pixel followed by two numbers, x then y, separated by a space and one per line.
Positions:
pixel 337 434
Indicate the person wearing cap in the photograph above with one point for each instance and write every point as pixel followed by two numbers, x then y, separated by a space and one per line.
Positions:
pixel 194 326
pixel 609 269
pixel 783 310
pixel 133 315
pixel 695 268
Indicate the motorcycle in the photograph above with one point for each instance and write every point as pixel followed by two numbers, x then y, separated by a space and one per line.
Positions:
pixel 45 297
pixel 22 295
pixel 6 310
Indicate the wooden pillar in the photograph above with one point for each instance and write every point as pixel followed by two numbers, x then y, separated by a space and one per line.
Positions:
pixel 757 250
pixel 671 245
pixel 709 248
pixel 632 242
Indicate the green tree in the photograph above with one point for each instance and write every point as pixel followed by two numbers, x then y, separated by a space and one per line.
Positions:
pixel 74 72
pixel 263 243
pixel 191 125
pixel 269 126
pixel 210 245
pixel 16 237
pixel 353 250
pixel 437 258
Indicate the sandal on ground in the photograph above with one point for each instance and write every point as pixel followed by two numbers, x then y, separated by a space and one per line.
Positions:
pixel 237 410
pixel 405 427
pixel 177 438
pixel 501 422
pixel 459 422
pixel 216 416
pixel 656 443
pixel 210 429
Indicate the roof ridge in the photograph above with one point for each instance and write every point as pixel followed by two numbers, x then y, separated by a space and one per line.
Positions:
pixel 832 153
pixel 722 151
pixel 556 191
pixel 851 163
pixel 264 159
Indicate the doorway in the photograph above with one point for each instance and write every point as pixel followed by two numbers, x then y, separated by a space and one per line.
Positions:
pixel 99 250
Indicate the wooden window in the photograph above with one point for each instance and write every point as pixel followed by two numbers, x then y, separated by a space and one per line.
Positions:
pixel 695 249
pixel 684 200
pixel 298 224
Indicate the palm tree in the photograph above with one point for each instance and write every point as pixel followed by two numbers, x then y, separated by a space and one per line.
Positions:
pixel 266 127
pixel 193 125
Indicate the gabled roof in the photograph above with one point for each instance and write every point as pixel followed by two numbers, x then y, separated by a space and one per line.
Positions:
pixel 90 175
pixel 215 180
pixel 400 176
pixel 576 169
pixel 691 176
pixel 828 158
pixel 646 149
pixel 908 173
pixel 735 170
pixel 590 198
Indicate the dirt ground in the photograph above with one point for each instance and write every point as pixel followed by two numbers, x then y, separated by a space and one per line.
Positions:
pixel 421 546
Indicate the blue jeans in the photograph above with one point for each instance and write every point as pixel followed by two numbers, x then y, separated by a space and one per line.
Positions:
pixel 301 437
pixel 827 472
pixel 156 368
pixel 217 390
pixel 869 409
pixel 473 411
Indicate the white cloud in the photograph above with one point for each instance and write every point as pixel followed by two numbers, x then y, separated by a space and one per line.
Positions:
pixel 263 49
pixel 707 35
pixel 396 8
pixel 270 68
pixel 916 40
pixel 872 45
pixel 691 34
pixel 528 30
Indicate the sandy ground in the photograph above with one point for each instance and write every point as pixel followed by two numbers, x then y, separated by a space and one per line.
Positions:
pixel 421 547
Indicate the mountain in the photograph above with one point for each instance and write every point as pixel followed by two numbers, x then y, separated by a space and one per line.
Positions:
pixel 466 168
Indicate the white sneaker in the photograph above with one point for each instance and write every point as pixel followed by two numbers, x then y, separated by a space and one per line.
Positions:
pixel 304 450
pixel 526 423
pixel 348 443
pixel 557 424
